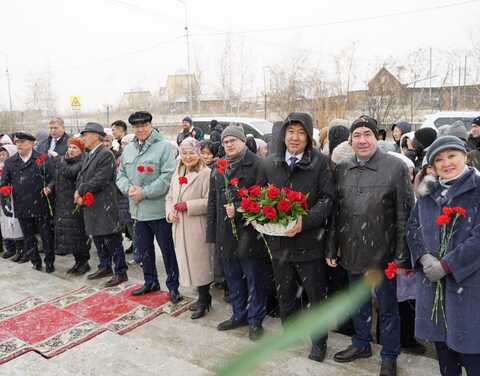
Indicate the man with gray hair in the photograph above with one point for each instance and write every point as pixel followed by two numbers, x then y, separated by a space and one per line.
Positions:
pixel 56 143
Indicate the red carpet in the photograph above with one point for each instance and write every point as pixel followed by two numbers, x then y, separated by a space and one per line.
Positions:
pixel 53 327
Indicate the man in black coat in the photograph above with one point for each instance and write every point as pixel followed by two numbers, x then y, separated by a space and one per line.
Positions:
pixel 243 258
pixel 298 259
pixel 56 143
pixel 374 201
pixel 28 174
pixel 188 130
pixel 97 177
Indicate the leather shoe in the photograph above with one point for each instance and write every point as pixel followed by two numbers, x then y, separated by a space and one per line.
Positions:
pixel 82 269
pixel 49 268
pixel 100 273
pixel 146 289
pixel 8 254
pixel 352 353
pixel 175 296
pixel 23 259
pixel 388 367
pixel 231 324
pixel 116 280
pixel 318 352
pixel 255 332
pixel 37 266
pixel 74 268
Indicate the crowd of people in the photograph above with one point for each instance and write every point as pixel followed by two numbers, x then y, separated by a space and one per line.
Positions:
pixel 371 203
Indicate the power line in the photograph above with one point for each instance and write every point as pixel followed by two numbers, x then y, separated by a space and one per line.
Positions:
pixel 345 21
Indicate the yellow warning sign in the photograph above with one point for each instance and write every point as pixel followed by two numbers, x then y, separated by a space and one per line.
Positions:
pixel 75 102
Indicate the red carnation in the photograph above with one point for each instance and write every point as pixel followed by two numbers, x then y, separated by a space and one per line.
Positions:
pixel 150 169
pixel 88 199
pixel 221 165
pixel 283 206
pixel 182 180
pixel 40 159
pixel 254 190
pixel 273 192
pixel 245 203
pixel 6 190
pixel 234 182
pixel 447 211
pixel 269 212
pixel 141 168
pixel 243 192
pixel 391 270
pixel 460 211
pixel 442 220
pixel 254 207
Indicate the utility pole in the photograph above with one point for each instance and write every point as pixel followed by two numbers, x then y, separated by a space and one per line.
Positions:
pixel 7 74
pixel 187 43
pixel 108 115
pixel 430 76
pixel 465 83
pixel 265 93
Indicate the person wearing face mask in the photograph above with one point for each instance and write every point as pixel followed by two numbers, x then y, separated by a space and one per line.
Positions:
pixel 186 208
pixel 69 228
pixel 455 331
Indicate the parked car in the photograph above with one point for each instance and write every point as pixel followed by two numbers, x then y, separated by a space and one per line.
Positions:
pixel 438 119
pixel 258 128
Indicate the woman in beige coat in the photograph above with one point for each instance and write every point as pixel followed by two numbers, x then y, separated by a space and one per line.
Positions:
pixel 186 206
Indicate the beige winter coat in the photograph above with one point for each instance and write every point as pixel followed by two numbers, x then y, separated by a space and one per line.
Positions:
pixel 194 256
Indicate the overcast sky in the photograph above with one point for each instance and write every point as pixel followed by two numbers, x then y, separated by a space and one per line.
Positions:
pixel 98 49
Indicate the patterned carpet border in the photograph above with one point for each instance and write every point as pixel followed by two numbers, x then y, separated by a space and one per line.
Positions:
pixel 143 309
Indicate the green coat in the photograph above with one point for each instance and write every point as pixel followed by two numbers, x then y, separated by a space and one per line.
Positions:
pixel 158 164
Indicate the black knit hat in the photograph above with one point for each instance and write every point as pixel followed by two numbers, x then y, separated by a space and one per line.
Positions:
pixel 367 122
pixel 424 137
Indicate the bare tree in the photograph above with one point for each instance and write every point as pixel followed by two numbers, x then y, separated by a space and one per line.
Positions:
pixel 40 93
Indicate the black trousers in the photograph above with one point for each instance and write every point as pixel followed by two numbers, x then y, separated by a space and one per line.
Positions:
pixel 311 275
pixel 451 362
pixel 43 226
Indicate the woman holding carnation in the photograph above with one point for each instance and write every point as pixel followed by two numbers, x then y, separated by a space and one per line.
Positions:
pixel 186 205
pixel 443 234
pixel 69 229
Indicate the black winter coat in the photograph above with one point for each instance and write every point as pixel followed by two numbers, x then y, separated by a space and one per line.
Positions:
pixel 219 229
pixel 98 177
pixel 69 227
pixel 28 181
pixel 311 175
pixel 61 146
pixel 374 203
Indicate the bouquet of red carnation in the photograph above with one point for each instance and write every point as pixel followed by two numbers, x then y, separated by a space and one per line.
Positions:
pixel 40 163
pixel 87 200
pixel 221 165
pixel 6 191
pixel 447 221
pixel 272 210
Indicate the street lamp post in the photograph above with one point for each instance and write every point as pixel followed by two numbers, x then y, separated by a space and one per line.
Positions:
pixel 265 91
pixel 7 74
pixel 187 43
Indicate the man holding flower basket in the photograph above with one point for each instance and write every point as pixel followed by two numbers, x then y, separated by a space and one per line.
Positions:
pixel 298 201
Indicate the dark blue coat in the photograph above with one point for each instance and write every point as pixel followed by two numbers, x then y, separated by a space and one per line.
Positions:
pixel 462 286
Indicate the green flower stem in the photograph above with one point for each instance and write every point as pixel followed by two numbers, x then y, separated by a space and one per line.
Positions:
pixel 317 321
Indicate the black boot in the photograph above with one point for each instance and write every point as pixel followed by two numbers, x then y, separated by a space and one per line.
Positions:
pixel 204 302
pixel 10 250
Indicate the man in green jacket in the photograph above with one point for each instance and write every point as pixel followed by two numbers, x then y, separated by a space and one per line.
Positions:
pixel 146 168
